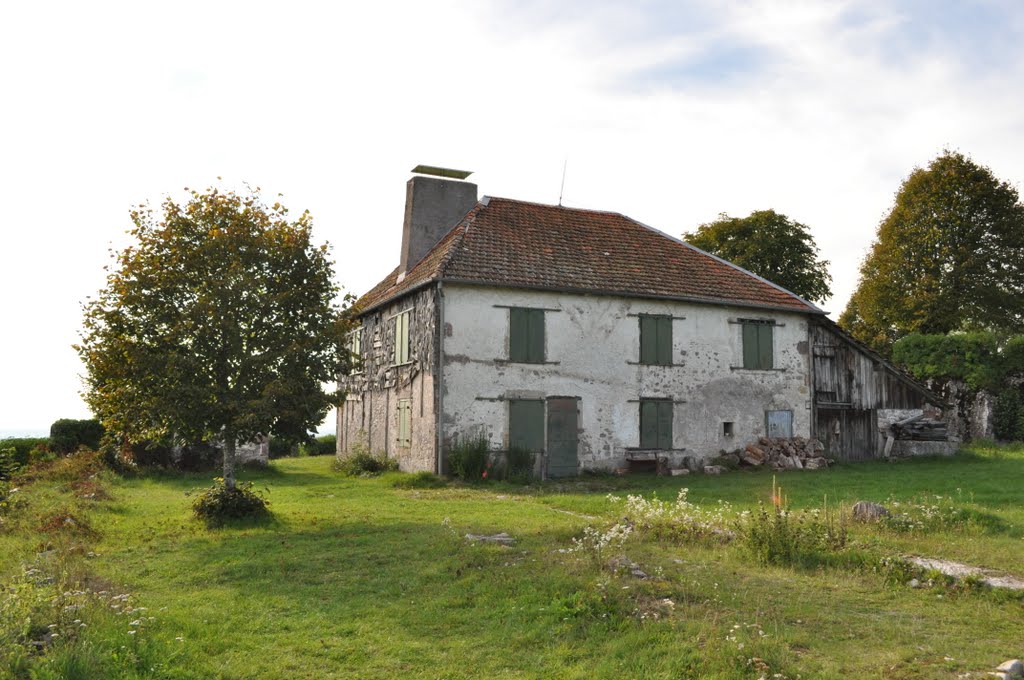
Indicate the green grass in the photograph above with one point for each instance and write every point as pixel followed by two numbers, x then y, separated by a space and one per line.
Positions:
pixel 358 577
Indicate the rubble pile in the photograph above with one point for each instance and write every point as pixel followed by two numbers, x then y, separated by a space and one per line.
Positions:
pixel 796 453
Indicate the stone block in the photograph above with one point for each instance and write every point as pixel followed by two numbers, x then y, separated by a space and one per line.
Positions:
pixel 714 469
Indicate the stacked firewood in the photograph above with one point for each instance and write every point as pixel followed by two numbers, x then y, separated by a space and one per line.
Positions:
pixel 796 453
pixel 920 429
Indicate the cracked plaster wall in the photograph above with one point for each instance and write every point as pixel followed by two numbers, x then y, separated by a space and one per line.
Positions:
pixel 592 346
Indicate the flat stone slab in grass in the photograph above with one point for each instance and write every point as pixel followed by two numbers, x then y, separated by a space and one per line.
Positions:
pixel 958 570
pixel 500 539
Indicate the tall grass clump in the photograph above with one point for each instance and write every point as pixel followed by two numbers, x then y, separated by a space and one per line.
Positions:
pixel 362 463
pixel 779 536
pixel 468 458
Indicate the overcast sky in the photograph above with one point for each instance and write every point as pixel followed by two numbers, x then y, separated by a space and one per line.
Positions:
pixel 670 112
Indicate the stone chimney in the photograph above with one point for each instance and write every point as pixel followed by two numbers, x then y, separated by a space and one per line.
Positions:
pixel 435 200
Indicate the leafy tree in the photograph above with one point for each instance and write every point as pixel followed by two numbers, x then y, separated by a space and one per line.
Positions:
pixel 949 256
pixel 770 245
pixel 220 323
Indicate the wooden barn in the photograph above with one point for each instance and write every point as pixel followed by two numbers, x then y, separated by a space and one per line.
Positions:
pixel 857 394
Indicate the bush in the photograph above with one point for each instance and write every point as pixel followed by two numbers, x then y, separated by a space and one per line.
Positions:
pixel 360 462
pixel 8 462
pixel 66 435
pixel 219 504
pixel 1008 415
pixel 23 447
pixel 468 458
pixel 324 445
pixel 283 448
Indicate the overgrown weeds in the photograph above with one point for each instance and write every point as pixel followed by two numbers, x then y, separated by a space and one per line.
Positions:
pixel 678 521
pixel 362 463
pixel 468 458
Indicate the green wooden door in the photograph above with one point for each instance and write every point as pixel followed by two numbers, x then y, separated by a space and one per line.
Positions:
pixel 563 442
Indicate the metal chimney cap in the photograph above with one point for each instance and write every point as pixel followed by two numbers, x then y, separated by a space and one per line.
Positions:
pixel 441 172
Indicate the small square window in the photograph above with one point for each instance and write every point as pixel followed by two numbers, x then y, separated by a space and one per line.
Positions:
pixel 728 428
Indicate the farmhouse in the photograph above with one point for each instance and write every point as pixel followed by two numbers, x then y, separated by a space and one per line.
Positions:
pixel 593 340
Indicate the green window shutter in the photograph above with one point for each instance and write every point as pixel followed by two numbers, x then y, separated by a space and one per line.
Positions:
pixel 648 340
pixel 402 338
pixel 526 335
pixel 765 357
pixel 536 339
pixel 526 424
pixel 664 424
pixel 664 326
pixel 404 422
pixel 750 352
pixel 518 334
pixel 648 424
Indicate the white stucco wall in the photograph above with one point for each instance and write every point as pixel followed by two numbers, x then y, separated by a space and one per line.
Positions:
pixel 594 346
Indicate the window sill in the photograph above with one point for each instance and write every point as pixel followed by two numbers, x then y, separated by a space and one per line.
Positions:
pixel 640 363
pixel 527 363
pixel 407 363
pixel 757 370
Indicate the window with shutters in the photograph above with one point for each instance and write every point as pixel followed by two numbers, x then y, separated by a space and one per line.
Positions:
pixel 355 350
pixel 405 422
pixel 655 424
pixel 526 335
pixel 402 337
pixel 758 341
pixel 656 340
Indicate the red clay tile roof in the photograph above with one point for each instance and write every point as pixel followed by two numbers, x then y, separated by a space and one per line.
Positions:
pixel 515 244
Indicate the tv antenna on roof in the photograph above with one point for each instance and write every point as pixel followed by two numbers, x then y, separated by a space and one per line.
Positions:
pixel 561 190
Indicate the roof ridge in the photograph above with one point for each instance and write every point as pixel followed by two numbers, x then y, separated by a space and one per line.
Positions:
pixel 726 262
pixel 552 205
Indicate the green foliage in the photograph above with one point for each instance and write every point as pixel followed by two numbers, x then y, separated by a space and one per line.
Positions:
pixel 779 536
pixel 770 245
pixel 282 448
pixel 8 462
pixel 519 464
pixel 23 447
pixel 67 434
pixel 362 463
pixel 949 256
pixel 973 358
pixel 1008 415
pixel 324 445
pixel 419 480
pixel 468 458
pixel 218 324
pixel 221 503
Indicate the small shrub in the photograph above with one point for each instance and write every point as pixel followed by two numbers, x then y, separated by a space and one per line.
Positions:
pixel 419 480
pixel 785 537
pixel 23 446
pixel 8 462
pixel 219 504
pixel 325 445
pixel 360 462
pixel 67 435
pixel 468 458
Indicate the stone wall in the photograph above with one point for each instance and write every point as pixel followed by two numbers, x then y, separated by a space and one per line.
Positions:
pixel 369 416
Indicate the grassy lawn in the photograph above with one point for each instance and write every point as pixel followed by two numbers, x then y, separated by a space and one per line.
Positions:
pixel 357 578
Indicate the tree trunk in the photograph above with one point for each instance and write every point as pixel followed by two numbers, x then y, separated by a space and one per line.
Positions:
pixel 229 461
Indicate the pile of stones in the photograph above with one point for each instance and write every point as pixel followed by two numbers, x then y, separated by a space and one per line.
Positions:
pixel 795 453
